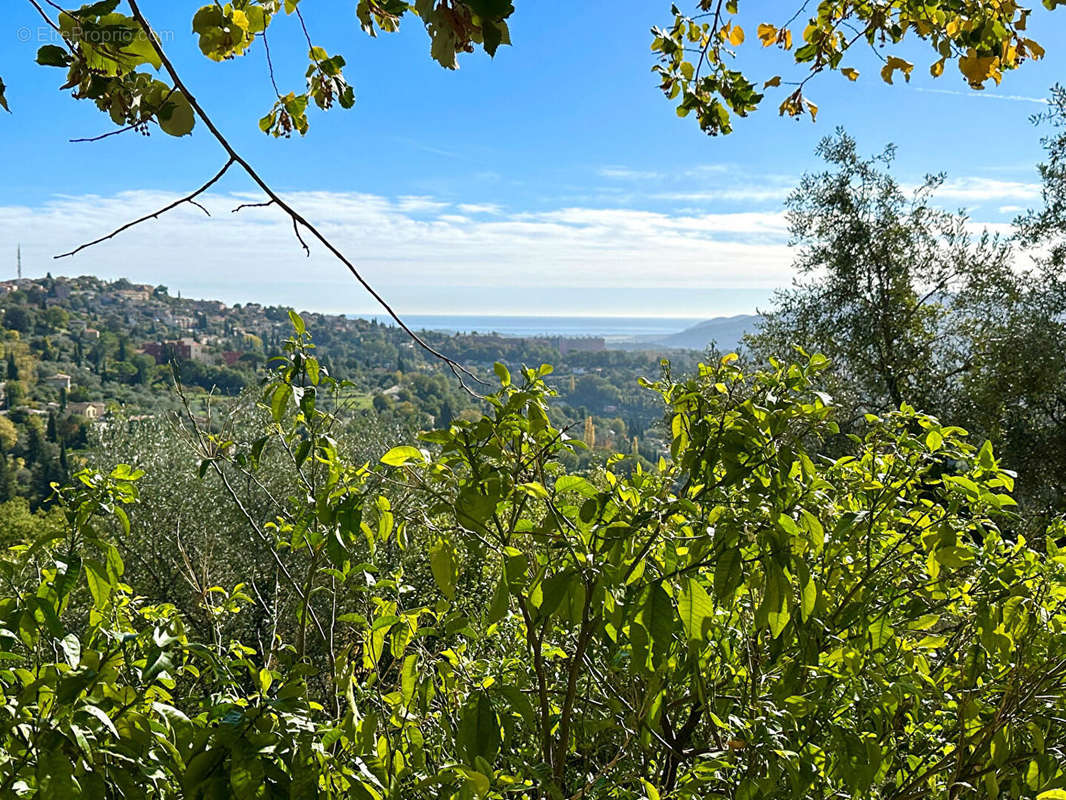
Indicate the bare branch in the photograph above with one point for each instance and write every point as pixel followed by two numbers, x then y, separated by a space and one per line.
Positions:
pixel 155 215
pixel 298 220
pixel 296 230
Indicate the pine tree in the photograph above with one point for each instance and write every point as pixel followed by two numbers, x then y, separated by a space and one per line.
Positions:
pixel 8 490
pixel 12 368
pixel 446 415
pixel 590 433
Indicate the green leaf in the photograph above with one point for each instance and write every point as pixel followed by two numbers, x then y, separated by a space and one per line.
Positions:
pixel 176 117
pixel 398 456
pixel 442 563
pixel 880 633
pixel 247 776
pixel 657 617
pixel 279 401
pixel 728 574
pixel 502 374
pixel 696 609
pixel 298 324
pixel 71 649
pixel 501 601
pixel 99 585
pixel 53 56
pixel 775 601
pixel 479 729
pixel 555 590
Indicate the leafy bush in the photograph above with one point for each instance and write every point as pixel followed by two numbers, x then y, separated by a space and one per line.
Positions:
pixel 468 619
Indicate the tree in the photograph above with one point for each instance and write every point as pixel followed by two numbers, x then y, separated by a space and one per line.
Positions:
pixel 1045 227
pixel 892 289
pixel 1014 393
pixel 12 368
pixel 8 435
pixel 14 394
pixel 17 318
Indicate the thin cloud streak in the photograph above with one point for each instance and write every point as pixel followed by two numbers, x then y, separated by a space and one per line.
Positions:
pixel 1014 98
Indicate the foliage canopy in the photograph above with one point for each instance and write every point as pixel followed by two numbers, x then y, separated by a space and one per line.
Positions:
pixel 106 52
pixel 470 619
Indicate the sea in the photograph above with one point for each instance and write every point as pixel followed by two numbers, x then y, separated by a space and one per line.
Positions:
pixel 610 328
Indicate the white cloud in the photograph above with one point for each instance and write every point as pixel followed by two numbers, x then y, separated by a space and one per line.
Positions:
pixel 397 243
pixel 407 247
pixel 479 208
pixel 627 174
pixel 978 190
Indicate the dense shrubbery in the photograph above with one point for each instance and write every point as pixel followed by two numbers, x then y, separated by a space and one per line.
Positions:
pixel 469 619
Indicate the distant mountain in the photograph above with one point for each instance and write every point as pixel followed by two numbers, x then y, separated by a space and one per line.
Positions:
pixel 724 332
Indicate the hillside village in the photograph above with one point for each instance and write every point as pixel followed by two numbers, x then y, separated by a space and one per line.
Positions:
pixel 77 352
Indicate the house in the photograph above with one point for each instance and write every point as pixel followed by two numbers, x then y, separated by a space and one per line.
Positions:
pixel 91 333
pixel 59 381
pixel 137 294
pixel 88 410
pixel 181 350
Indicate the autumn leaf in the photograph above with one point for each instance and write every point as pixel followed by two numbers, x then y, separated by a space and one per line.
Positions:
pixel 978 69
pixel 895 63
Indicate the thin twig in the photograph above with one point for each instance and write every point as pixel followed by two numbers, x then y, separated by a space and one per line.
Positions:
pixel 191 198
pixel 243 206
pixel 296 230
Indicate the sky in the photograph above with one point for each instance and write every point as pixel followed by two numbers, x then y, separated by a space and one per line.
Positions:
pixel 554 179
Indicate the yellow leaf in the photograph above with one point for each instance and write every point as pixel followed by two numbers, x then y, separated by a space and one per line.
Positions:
pixel 788 40
pixel 977 70
pixel 952 28
pixel 767 34
pixel 850 74
pixel 240 19
pixel 937 69
pixel 813 109
pixel 774 81
pixel 894 63
pixel 736 35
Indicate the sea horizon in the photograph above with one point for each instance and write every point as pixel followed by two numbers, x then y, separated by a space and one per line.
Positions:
pixel 611 327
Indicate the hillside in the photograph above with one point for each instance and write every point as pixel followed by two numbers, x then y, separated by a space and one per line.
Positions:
pixel 725 333
pixel 79 352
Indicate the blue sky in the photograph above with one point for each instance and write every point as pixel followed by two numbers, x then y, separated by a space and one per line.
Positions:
pixel 553 179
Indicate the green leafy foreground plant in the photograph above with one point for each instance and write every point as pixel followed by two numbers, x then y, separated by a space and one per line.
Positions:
pixel 747 619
